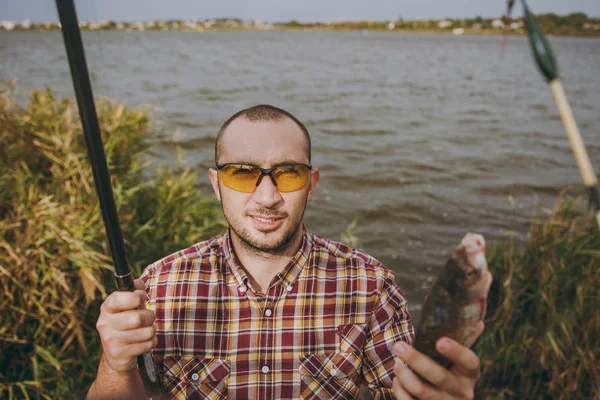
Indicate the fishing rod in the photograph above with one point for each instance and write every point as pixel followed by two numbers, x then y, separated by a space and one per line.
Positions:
pixel 91 129
pixel 548 66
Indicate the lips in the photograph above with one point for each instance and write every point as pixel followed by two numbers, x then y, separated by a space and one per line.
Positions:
pixel 266 223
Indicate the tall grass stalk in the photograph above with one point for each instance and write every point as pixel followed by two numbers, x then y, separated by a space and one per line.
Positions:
pixel 54 268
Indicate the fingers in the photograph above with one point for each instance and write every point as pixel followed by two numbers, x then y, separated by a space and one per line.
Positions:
pixel 465 360
pixel 139 284
pixel 424 366
pixel 440 382
pixel 121 348
pixel 399 391
pixel 132 319
pixel 139 335
pixel 137 349
pixel 122 357
pixel 412 385
pixel 126 329
pixel 123 301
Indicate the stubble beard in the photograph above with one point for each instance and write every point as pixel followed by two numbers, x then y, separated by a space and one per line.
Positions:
pixel 263 248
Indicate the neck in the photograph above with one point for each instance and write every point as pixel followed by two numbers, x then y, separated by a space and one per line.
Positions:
pixel 263 266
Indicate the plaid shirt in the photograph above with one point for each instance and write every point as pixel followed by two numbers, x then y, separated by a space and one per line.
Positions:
pixel 326 324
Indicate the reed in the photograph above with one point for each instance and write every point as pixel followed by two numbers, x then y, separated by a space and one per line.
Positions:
pixel 542 338
pixel 54 269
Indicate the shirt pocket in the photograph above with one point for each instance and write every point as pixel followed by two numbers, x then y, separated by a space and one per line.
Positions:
pixel 196 378
pixel 329 376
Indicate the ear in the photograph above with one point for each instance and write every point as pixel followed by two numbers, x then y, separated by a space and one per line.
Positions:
pixel 314 179
pixel 213 175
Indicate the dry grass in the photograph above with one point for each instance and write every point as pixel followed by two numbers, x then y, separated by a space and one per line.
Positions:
pixel 54 269
pixel 543 336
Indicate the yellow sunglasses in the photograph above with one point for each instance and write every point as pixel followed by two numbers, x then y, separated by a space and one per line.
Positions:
pixel 246 178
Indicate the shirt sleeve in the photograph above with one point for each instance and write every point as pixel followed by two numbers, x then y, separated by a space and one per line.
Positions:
pixel 390 322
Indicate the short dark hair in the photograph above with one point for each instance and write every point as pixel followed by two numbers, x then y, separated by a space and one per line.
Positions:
pixel 261 113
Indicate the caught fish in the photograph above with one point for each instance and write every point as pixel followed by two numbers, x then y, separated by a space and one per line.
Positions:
pixel 457 301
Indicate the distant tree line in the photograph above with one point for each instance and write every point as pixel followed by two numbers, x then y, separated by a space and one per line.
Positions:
pixel 575 23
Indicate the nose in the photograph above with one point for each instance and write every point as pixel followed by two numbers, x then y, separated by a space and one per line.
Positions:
pixel 266 193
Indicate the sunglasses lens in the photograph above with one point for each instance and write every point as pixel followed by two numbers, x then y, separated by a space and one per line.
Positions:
pixel 240 177
pixel 243 178
pixel 291 177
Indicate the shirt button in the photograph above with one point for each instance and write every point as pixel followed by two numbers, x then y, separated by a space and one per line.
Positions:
pixel 333 372
pixel 242 289
pixel 265 369
pixel 268 313
pixel 289 288
pixel 195 376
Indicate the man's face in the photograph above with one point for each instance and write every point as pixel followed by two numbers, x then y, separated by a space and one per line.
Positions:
pixel 266 220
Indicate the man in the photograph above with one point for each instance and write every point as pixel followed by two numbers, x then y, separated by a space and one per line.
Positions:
pixel 268 310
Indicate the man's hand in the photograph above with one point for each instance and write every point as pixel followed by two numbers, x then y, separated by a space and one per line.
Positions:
pixel 456 383
pixel 126 331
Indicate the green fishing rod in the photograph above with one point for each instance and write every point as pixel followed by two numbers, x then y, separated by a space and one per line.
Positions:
pixel 91 129
pixel 548 66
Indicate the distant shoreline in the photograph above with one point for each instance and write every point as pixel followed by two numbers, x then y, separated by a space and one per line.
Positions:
pixel 483 32
pixel 576 24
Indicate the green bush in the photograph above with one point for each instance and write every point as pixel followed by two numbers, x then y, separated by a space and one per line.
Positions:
pixel 54 269
pixel 542 340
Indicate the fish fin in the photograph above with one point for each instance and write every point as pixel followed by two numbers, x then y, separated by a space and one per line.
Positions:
pixel 482 310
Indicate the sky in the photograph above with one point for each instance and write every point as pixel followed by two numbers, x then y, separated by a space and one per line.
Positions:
pixel 286 10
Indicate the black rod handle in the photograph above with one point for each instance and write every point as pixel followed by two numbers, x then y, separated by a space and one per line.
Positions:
pixel 91 129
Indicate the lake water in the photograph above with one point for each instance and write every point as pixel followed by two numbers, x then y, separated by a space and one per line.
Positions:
pixel 421 137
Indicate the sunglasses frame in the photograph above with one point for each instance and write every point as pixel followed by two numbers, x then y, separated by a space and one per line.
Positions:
pixel 264 171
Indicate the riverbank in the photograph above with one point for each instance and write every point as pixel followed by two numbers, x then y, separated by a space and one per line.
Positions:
pixel 541 337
